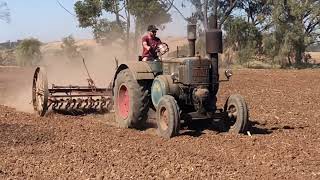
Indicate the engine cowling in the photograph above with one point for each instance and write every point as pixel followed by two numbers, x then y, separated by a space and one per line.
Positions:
pixel 189 70
pixel 163 85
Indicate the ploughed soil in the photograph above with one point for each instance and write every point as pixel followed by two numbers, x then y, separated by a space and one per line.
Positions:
pixel 284 142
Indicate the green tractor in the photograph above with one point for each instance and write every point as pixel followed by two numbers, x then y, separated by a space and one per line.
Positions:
pixel 181 90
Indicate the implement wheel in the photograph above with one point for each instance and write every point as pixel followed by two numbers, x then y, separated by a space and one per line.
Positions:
pixel 168 117
pixel 131 100
pixel 40 91
pixel 237 114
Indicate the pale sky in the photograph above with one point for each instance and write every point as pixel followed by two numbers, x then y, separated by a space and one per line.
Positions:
pixel 47 21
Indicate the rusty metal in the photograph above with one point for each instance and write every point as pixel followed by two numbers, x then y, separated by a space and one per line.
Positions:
pixel 214 41
pixel 40 91
pixel 69 98
pixel 76 97
pixel 192 36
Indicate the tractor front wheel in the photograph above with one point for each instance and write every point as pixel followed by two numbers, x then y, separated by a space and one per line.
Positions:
pixel 168 117
pixel 237 114
pixel 131 101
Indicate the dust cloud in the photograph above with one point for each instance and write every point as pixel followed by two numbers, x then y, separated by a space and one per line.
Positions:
pixel 15 88
pixel 16 83
pixel 99 61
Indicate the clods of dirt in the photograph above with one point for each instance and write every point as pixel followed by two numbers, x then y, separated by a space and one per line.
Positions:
pixel 285 141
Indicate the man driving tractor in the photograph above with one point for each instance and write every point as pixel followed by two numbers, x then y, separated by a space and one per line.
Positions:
pixel 150 43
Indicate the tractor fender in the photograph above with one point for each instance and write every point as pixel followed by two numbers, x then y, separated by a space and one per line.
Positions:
pixel 140 71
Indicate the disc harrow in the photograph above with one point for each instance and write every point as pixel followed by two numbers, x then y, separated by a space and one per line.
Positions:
pixel 68 98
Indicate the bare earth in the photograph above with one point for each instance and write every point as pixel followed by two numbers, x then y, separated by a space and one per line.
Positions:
pixel 285 141
pixel 315 56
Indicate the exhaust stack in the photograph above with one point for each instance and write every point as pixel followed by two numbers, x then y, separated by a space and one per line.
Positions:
pixel 214 46
pixel 192 36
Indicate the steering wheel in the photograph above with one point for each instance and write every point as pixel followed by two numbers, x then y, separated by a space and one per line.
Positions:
pixel 162 49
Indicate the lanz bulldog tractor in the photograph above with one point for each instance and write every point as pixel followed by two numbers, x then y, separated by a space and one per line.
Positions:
pixel 181 90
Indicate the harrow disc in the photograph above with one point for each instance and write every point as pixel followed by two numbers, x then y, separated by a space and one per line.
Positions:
pixel 40 91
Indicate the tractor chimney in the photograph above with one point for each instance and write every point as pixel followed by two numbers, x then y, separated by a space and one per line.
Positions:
pixel 192 36
pixel 214 45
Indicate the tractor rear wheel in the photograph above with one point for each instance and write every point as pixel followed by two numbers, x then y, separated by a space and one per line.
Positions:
pixel 168 117
pixel 131 101
pixel 237 114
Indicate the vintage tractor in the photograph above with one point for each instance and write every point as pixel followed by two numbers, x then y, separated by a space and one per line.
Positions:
pixel 180 90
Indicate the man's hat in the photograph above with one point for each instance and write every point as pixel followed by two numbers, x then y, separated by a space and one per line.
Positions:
pixel 152 28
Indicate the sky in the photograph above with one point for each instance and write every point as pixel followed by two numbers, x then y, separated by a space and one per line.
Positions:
pixel 48 22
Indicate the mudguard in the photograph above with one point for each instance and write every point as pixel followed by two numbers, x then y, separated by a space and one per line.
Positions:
pixel 140 70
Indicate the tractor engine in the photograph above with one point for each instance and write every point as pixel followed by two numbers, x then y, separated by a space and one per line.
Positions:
pixel 188 80
pixel 191 80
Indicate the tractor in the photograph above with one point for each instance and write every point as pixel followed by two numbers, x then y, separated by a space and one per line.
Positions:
pixel 180 90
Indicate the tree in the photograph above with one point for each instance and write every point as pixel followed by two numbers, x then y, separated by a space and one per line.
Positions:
pixel 107 31
pixel 209 14
pixel 281 29
pixel 28 52
pixel 7 57
pixel 4 12
pixel 240 33
pixel 149 12
pixel 117 22
pixel 90 14
pixel 69 47
pixel 296 25
pixel 205 11
pixel 258 13
pixel 242 37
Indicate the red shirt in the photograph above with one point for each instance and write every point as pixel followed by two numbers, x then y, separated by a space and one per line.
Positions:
pixel 153 42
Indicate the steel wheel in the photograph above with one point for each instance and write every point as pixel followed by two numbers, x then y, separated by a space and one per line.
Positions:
pixel 40 91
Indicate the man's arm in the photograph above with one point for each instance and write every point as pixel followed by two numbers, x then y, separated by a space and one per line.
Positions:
pixel 145 45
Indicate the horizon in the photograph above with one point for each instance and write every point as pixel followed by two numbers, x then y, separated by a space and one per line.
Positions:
pixel 43 20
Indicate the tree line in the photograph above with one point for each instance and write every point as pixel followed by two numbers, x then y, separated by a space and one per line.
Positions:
pixel 277 30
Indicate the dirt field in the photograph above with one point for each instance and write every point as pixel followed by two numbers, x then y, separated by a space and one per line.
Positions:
pixel 315 56
pixel 285 141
